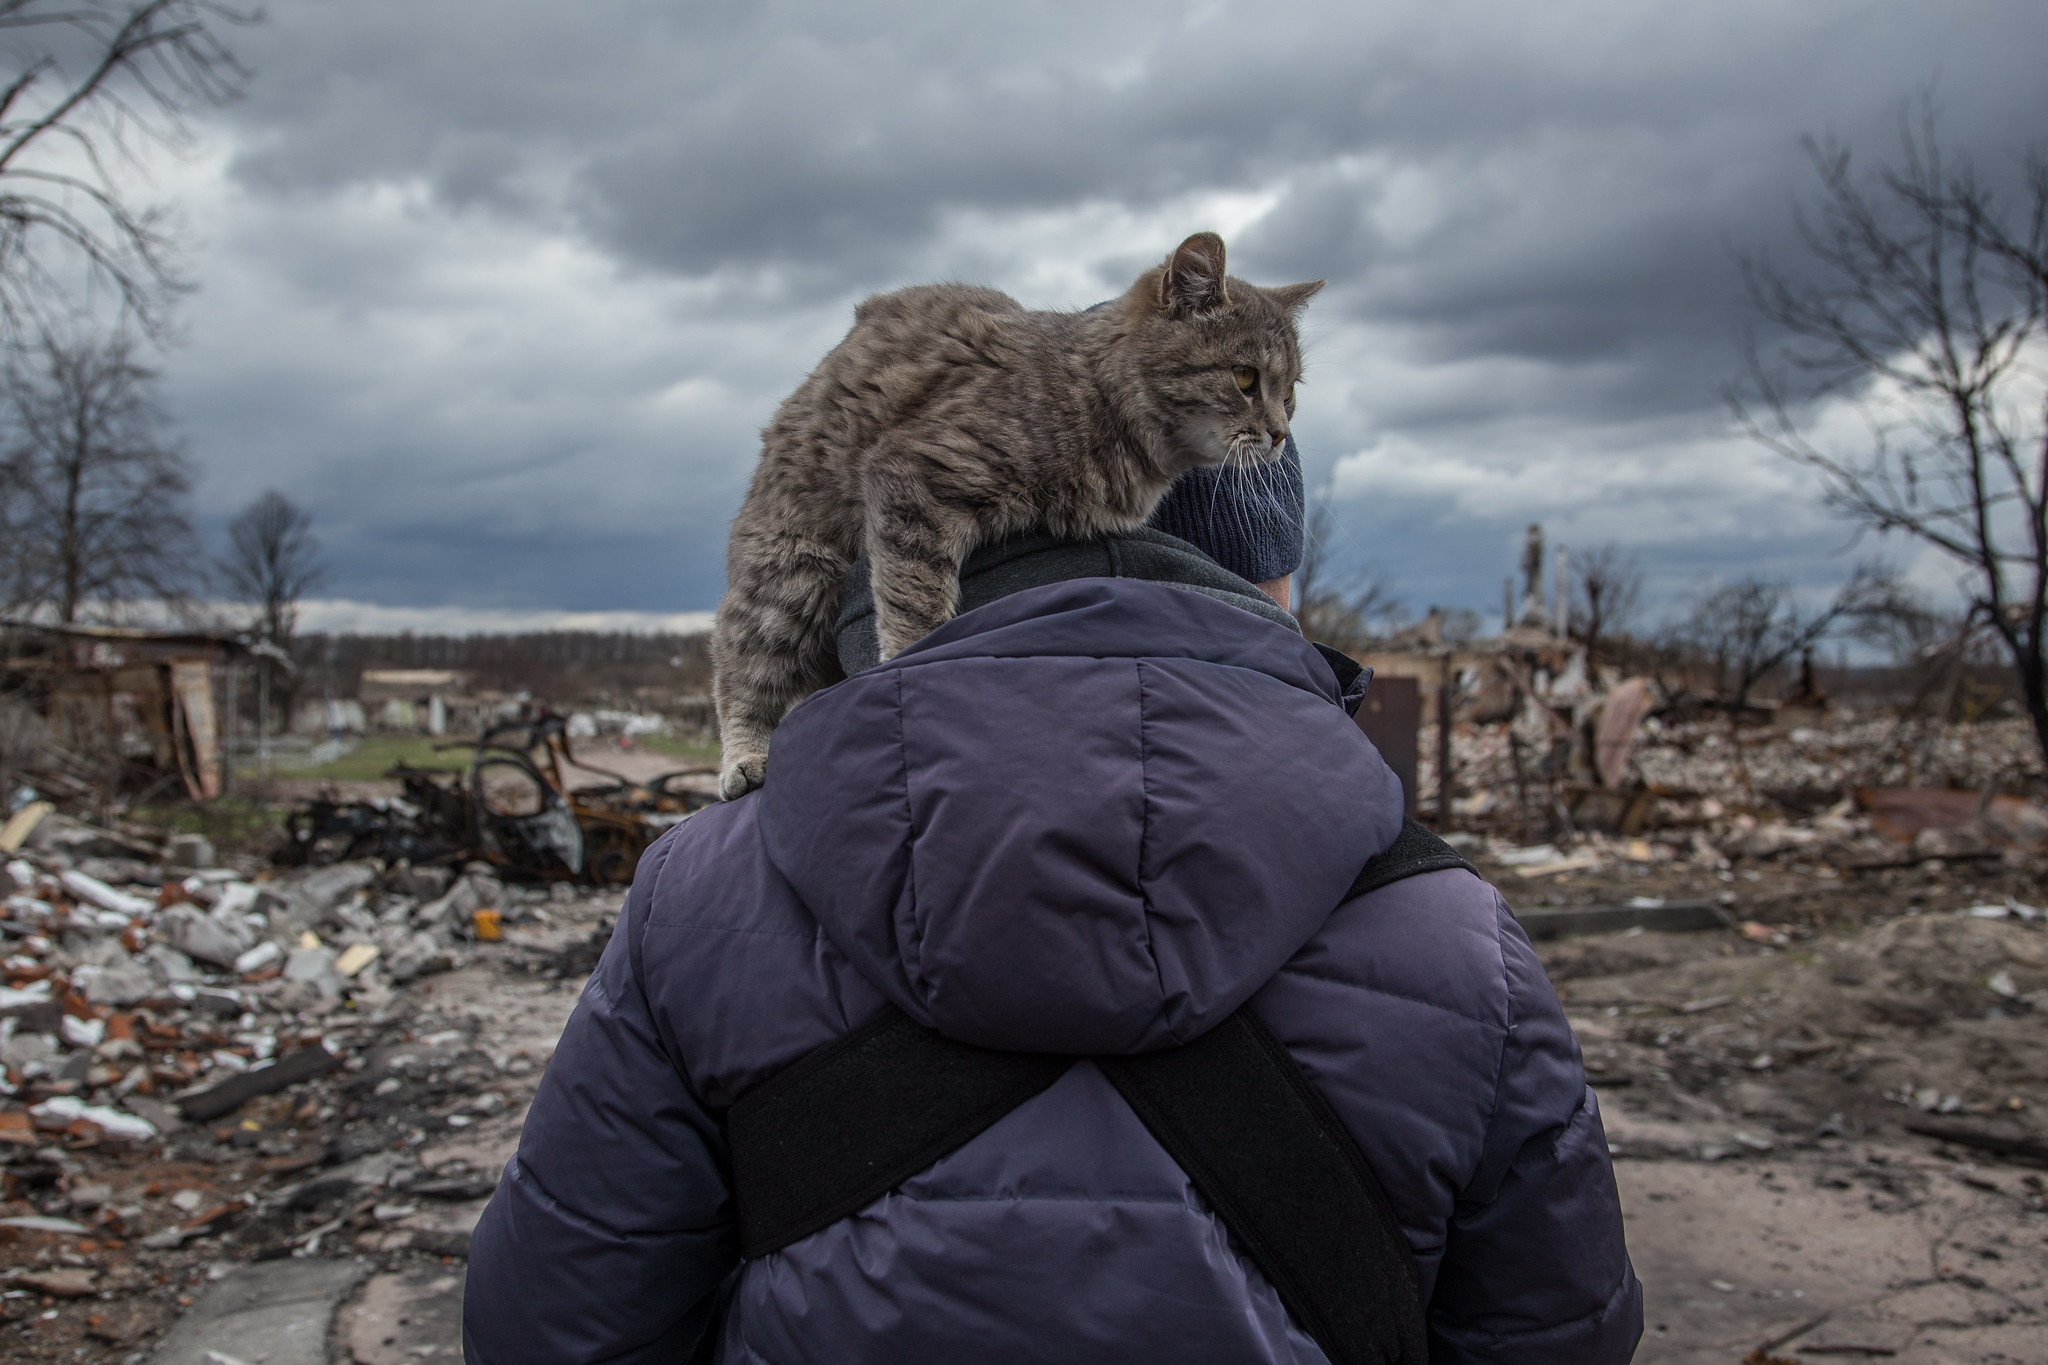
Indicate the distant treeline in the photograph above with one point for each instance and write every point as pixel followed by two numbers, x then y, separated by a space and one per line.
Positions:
pixel 611 668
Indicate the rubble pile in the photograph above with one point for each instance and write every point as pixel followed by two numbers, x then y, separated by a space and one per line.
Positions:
pixel 1797 768
pixel 203 1059
pixel 1724 845
pixel 1847 794
pixel 1798 765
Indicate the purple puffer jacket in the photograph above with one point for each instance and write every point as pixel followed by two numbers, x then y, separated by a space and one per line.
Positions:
pixel 1092 817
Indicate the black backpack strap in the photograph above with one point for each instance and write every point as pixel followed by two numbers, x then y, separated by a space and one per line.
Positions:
pixel 835 1131
pixel 1238 1114
pixel 1414 851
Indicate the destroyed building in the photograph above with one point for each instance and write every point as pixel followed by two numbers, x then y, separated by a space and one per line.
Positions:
pixel 125 708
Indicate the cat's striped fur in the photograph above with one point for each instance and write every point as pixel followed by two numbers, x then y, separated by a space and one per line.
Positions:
pixel 950 416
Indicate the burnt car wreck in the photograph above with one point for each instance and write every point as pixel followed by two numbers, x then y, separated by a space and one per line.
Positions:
pixel 513 806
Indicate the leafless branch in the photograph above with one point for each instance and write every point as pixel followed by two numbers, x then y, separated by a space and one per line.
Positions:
pixel 1751 628
pixel 273 560
pixel 93 77
pixel 1922 303
pixel 1607 587
pixel 96 495
pixel 1339 605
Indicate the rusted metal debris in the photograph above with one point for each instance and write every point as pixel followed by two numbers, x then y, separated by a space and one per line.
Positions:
pixel 1391 717
pixel 514 807
pixel 1904 813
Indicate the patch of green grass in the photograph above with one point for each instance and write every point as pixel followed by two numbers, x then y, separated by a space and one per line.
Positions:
pixel 689 750
pixel 231 823
pixel 374 754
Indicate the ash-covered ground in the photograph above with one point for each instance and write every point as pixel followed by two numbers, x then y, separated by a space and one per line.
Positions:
pixel 1774 1090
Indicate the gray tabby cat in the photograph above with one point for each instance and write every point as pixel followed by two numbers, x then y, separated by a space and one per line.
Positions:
pixel 950 416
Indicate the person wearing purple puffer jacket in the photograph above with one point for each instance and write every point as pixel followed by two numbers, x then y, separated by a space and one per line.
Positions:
pixel 1112 801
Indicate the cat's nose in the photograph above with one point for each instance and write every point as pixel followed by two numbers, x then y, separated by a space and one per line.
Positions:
pixel 1279 437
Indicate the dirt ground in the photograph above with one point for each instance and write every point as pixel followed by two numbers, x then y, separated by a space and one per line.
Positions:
pixel 1758 1084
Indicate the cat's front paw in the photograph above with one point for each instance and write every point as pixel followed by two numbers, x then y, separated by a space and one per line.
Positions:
pixel 741 773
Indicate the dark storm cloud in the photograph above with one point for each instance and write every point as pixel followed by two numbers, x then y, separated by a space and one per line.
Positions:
pixel 832 139
pixel 1528 217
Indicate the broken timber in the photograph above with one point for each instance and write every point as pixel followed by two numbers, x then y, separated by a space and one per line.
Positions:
pixel 2023 1149
pixel 237 1091
pixel 1676 917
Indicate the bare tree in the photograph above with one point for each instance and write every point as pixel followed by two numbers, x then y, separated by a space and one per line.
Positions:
pixel 21 578
pixel 99 492
pixel 90 80
pixel 1461 625
pixel 273 560
pixel 1338 607
pixel 1750 628
pixel 1311 580
pixel 1927 310
pixel 1607 588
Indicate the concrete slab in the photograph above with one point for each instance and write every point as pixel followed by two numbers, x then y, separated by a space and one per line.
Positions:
pixel 269 1313
pixel 403 1317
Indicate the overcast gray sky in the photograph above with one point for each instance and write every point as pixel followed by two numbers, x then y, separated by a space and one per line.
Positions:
pixel 503 291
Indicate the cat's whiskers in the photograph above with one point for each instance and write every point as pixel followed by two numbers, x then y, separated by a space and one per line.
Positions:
pixel 1250 450
pixel 1242 451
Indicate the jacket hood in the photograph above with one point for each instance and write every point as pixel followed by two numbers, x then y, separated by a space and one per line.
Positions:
pixel 1089 817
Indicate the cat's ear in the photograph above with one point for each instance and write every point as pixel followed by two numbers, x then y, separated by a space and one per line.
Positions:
pixel 1295 297
pixel 1193 281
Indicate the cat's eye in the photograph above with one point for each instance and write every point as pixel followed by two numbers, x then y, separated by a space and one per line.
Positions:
pixel 1247 378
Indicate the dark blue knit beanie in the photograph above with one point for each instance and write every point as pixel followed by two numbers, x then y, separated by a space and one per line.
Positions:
pixel 1249 520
